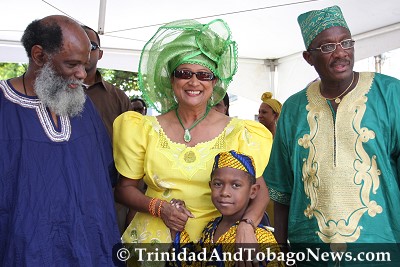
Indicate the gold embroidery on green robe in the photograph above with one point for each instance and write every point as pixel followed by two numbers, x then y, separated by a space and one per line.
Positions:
pixel 338 174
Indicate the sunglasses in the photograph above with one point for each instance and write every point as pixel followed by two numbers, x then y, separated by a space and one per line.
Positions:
pixel 94 46
pixel 330 47
pixel 187 74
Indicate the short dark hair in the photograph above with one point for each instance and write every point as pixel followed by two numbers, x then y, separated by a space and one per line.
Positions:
pixel 47 35
pixel 143 103
pixel 140 100
pixel 87 28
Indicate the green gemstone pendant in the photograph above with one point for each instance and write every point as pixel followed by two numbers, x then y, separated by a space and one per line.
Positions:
pixel 187 137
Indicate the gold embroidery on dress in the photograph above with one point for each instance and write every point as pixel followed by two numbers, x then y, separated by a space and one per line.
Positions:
pixel 331 169
pixel 189 157
pixel 164 185
pixel 163 142
pixel 220 143
pixel 189 160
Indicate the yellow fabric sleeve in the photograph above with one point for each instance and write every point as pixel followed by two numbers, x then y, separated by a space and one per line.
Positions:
pixel 129 144
pixel 256 141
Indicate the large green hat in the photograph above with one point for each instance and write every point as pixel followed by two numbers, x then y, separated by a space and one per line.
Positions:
pixel 180 42
pixel 315 21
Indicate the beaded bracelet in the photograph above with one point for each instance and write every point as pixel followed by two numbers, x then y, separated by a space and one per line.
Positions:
pixel 159 208
pixel 152 206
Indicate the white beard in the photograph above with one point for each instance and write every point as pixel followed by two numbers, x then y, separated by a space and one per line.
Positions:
pixel 53 91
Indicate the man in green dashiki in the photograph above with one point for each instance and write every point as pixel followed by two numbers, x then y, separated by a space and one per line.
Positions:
pixel 334 166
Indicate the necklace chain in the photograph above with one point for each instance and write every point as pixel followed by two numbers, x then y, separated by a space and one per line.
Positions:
pixel 337 99
pixel 23 83
pixel 186 136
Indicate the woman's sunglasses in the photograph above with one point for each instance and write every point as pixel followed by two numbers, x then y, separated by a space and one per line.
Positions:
pixel 187 74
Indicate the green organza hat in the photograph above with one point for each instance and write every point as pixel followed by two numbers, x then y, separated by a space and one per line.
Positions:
pixel 315 21
pixel 181 42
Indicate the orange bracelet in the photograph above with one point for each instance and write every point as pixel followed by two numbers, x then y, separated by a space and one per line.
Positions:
pixel 153 212
pixel 152 206
pixel 159 208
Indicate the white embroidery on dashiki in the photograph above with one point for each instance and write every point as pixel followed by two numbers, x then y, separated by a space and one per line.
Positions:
pixel 42 113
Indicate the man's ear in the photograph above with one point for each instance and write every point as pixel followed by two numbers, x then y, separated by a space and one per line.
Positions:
pixel 38 55
pixel 254 190
pixel 308 58
pixel 100 54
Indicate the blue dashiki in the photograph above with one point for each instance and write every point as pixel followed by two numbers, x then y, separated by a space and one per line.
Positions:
pixel 56 203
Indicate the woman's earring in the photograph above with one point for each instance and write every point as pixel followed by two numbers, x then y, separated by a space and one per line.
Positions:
pixel 211 100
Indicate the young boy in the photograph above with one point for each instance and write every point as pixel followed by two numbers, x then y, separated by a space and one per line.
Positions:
pixel 233 185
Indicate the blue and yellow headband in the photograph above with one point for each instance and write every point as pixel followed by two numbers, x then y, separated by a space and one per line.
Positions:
pixel 233 159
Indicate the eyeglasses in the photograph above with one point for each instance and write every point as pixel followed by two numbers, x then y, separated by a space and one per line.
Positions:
pixel 330 47
pixel 94 46
pixel 187 74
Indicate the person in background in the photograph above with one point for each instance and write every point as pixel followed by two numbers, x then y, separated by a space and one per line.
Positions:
pixel 334 168
pixel 223 105
pixel 174 152
pixel 109 100
pixel 268 113
pixel 139 105
pixel 56 165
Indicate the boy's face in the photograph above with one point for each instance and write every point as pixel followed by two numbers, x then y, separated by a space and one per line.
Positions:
pixel 231 191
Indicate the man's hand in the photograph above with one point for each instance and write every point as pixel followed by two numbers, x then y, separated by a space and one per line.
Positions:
pixel 246 239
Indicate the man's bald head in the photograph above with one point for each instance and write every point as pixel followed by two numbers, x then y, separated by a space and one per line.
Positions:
pixel 50 33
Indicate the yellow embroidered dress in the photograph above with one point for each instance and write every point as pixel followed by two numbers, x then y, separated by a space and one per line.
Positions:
pixel 173 170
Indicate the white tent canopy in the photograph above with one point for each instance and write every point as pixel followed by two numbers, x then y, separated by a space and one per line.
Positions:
pixel 267 33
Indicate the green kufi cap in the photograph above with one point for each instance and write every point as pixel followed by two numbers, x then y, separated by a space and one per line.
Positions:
pixel 181 42
pixel 315 21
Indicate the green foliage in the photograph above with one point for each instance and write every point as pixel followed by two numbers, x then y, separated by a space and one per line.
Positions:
pixel 10 70
pixel 125 80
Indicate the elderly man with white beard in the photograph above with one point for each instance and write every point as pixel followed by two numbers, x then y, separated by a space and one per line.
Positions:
pixel 56 204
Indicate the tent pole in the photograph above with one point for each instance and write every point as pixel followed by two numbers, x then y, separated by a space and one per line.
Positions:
pixel 378 63
pixel 102 16
pixel 273 65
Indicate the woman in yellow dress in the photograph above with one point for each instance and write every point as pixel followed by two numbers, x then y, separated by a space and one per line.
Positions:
pixel 185 69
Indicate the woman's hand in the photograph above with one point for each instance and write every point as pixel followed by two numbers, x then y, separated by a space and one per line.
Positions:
pixel 175 215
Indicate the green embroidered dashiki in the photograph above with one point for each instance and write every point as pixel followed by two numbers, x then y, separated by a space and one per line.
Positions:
pixel 340 172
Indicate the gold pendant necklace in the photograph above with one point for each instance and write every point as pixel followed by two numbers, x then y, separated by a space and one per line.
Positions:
pixel 337 99
pixel 186 136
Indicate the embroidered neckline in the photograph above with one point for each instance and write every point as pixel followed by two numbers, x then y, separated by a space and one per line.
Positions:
pixel 34 103
pixel 227 130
